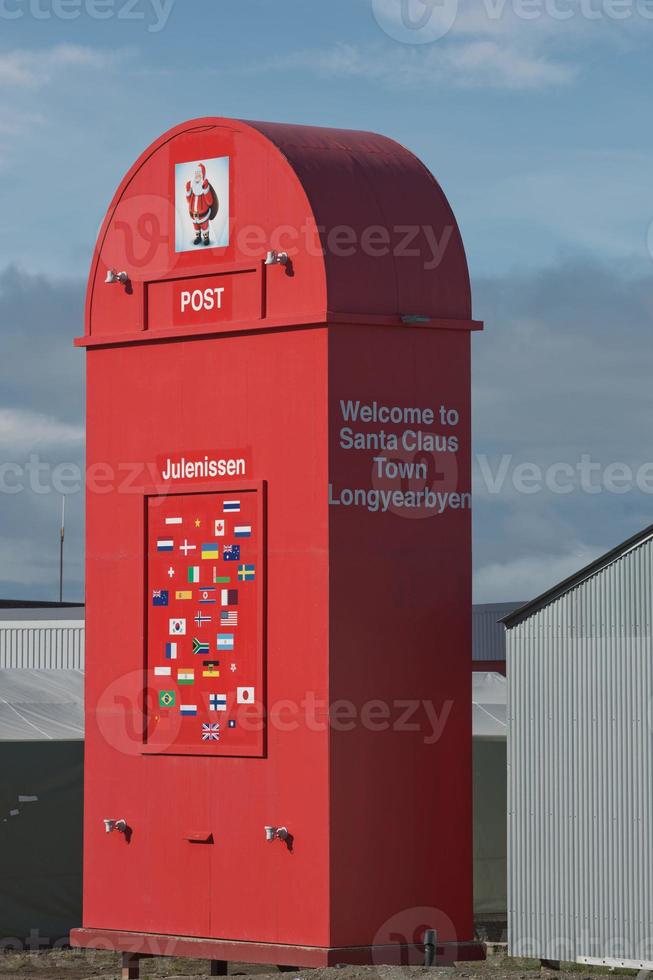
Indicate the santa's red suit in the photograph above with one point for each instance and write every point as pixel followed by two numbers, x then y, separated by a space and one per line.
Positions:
pixel 200 201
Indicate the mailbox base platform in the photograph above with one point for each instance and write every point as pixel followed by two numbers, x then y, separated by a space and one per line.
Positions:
pixel 143 945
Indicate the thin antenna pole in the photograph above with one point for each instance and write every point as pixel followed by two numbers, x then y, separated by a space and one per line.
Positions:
pixel 63 534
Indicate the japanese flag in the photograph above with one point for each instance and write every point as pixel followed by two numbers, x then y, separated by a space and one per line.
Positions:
pixel 245 695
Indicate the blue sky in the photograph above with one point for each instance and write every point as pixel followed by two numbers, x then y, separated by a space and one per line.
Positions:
pixel 533 114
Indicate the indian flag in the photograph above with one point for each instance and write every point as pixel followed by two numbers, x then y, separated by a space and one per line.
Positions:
pixel 185 676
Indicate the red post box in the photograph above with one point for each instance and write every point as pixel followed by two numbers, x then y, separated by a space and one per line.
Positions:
pixel 278 555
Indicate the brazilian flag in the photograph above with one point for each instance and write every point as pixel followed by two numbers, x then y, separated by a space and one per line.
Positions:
pixel 167 699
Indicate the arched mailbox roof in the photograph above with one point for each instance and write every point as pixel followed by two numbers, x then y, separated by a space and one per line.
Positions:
pixel 369 231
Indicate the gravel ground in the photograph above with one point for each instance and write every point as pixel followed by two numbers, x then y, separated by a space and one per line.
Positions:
pixel 90 965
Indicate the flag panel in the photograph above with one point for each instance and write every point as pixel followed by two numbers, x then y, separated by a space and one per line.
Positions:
pixel 211 610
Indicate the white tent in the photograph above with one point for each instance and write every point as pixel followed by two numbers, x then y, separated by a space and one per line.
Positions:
pixel 490 799
pixel 489 705
pixel 41 705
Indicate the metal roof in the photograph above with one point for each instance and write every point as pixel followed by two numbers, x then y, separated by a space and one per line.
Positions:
pixel 27 609
pixel 488 634
pixel 580 576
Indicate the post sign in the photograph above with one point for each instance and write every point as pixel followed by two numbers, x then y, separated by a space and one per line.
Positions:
pixel 197 301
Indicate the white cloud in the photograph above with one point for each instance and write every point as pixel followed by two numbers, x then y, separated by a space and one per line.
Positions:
pixel 521 579
pixel 561 378
pixel 33 68
pixel 23 431
pixel 467 64
pixel 491 43
pixel 531 21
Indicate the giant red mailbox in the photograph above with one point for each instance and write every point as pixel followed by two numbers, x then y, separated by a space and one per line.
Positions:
pixel 278 555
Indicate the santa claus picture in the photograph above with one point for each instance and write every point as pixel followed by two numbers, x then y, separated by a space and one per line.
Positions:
pixel 202 204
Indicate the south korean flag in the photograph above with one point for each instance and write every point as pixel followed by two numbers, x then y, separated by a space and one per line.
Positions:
pixel 177 627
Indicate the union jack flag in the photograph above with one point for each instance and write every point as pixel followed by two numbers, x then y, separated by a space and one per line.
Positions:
pixel 210 733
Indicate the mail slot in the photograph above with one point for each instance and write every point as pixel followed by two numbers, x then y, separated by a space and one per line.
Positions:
pixel 278 554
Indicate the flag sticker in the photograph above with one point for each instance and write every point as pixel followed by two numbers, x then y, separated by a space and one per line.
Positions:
pixel 183 596
pixel 188 710
pixel 243 531
pixel 220 528
pixel 200 646
pixel 186 547
pixel 167 699
pixel 201 618
pixel 210 550
pixel 231 507
pixel 186 676
pixel 220 579
pixel 160 597
pixel 225 641
pixel 232 723
pixel 217 702
pixel 229 617
pixel 177 627
pixel 231 552
pixel 174 520
pixel 211 668
pixel 194 574
pixel 207 595
pixel 171 651
pixel 229 597
pixel 210 733
pixel 165 544
pixel 163 671
pixel 245 695
pixel 246 573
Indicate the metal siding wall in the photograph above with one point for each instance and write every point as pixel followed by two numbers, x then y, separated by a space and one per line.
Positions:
pixel 44 645
pixel 580 769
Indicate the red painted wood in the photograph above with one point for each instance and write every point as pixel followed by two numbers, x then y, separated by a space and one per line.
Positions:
pixel 221 951
pixel 358 607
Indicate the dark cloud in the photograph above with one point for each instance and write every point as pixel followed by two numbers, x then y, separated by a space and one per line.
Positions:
pixel 563 371
pixel 41 427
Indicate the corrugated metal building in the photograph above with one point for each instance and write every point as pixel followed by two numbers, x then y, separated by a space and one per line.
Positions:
pixel 580 765
pixel 41 636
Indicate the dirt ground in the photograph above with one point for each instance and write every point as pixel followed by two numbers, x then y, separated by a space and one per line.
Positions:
pixel 91 965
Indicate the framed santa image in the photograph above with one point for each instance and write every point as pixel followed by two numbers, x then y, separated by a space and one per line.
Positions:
pixel 202 204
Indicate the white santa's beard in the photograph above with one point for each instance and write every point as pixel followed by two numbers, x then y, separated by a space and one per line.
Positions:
pixel 197 187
